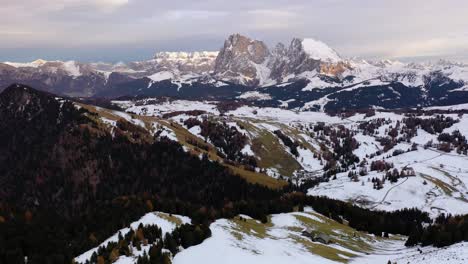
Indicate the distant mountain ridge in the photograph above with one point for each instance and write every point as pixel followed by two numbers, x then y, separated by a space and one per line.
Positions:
pixel 306 74
pixel 241 60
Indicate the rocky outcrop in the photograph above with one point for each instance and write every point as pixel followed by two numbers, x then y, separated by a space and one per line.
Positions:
pixel 304 55
pixel 334 69
pixel 240 59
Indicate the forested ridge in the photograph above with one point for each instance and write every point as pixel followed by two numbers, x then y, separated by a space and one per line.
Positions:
pixel 64 171
pixel 69 182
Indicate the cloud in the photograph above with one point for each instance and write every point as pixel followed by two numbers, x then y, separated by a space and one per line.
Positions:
pixel 40 6
pixel 193 14
pixel 365 28
pixel 271 19
pixel 432 47
pixel 103 5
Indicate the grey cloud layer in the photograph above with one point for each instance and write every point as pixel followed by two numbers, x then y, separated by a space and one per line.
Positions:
pixel 364 28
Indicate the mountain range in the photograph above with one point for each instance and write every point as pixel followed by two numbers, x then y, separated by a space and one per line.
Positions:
pixel 307 74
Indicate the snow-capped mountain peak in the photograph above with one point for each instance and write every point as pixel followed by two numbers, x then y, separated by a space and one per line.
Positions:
pixel 318 50
pixel 39 62
pixel 33 64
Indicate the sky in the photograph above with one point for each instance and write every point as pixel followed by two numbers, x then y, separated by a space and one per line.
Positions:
pixel 126 30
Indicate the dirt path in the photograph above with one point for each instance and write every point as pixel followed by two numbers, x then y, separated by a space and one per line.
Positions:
pixel 386 194
pixel 393 187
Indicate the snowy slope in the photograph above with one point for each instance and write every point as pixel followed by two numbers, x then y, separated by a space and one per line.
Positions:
pixel 245 240
pixel 440 184
pixel 454 254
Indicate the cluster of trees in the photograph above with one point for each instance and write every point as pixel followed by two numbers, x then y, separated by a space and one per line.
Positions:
pixel 387 143
pixel 371 126
pixel 184 236
pixel 226 106
pixel 354 176
pixel 292 145
pixel 431 125
pixel 453 141
pixel 343 143
pixel 227 138
pixel 393 175
pixel 446 230
pixel 189 113
pixel 380 165
pixel 407 129
pixel 377 183
pixel 402 222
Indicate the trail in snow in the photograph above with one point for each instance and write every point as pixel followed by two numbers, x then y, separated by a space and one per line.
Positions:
pixel 393 187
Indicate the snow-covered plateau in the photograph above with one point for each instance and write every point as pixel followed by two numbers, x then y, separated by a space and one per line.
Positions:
pixel 440 180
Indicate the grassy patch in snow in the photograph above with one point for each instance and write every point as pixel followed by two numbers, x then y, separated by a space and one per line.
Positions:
pixel 270 152
pixel 257 178
pixel 325 251
pixel 346 243
pixel 340 234
pixel 454 180
pixel 183 135
pixel 249 227
pixel 295 134
pixel 170 218
pixel 446 188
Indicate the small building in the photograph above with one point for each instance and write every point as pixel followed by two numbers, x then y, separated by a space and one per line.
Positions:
pixel 317 236
pixel 408 171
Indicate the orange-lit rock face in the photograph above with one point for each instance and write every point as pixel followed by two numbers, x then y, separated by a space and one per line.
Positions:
pixel 334 69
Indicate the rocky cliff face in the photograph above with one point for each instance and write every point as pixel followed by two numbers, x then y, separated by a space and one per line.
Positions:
pixel 240 59
pixel 305 56
pixel 291 61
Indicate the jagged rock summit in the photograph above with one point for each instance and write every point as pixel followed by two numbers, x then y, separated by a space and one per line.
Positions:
pixel 241 59
pixel 247 61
